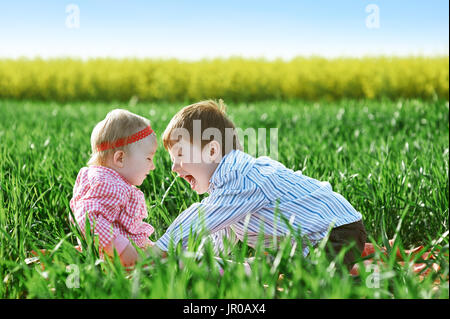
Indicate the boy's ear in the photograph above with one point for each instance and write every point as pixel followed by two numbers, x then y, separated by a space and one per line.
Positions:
pixel 214 151
pixel 118 158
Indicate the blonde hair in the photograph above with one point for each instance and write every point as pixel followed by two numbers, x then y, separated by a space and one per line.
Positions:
pixel 117 124
pixel 212 115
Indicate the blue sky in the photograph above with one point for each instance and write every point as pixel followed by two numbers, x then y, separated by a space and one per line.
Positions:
pixel 207 29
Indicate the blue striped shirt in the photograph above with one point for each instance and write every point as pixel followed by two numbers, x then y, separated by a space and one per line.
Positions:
pixel 244 194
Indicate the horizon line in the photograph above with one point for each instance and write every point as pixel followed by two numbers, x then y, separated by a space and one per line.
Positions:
pixel 229 57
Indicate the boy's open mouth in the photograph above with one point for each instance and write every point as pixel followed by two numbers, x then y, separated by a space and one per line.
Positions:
pixel 190 179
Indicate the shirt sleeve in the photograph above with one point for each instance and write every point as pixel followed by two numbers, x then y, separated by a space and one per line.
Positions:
pixel 224 207
pixel 102 205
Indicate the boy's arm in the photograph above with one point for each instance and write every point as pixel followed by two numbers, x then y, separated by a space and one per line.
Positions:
pixel 219 237
pixel 221 209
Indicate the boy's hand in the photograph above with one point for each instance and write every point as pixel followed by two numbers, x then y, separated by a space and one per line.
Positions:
pixel 154 250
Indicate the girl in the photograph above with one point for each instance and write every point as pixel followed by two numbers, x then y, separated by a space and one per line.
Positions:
pixel 123 147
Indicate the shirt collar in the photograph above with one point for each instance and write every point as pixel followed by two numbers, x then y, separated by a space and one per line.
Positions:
pixel 215 177
pixel 235 160
pixel 111 172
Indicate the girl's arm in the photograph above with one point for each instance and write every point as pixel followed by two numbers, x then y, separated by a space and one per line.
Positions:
pixel 127 253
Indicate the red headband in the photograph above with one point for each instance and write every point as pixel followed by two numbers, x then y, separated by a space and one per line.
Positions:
pixel 125 140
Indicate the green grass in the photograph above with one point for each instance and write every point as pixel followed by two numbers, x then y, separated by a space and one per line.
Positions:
pixel 389 159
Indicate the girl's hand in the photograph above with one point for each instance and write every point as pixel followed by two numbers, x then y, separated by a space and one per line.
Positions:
pixel 129 256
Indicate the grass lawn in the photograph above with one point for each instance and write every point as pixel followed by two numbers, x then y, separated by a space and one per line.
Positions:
pixel 388 158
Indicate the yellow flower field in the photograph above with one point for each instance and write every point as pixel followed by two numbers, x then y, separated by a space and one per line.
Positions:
pixel 234 79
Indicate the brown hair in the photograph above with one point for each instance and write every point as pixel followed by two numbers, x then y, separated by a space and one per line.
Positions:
pixel 212 115
pixel 117 124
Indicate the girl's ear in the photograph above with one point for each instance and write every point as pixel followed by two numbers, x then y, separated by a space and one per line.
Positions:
pixel 118 158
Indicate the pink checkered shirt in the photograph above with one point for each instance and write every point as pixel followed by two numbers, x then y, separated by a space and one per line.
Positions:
pixel 117 207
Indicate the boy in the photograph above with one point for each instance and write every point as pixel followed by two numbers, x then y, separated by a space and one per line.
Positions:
pixel 244 191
